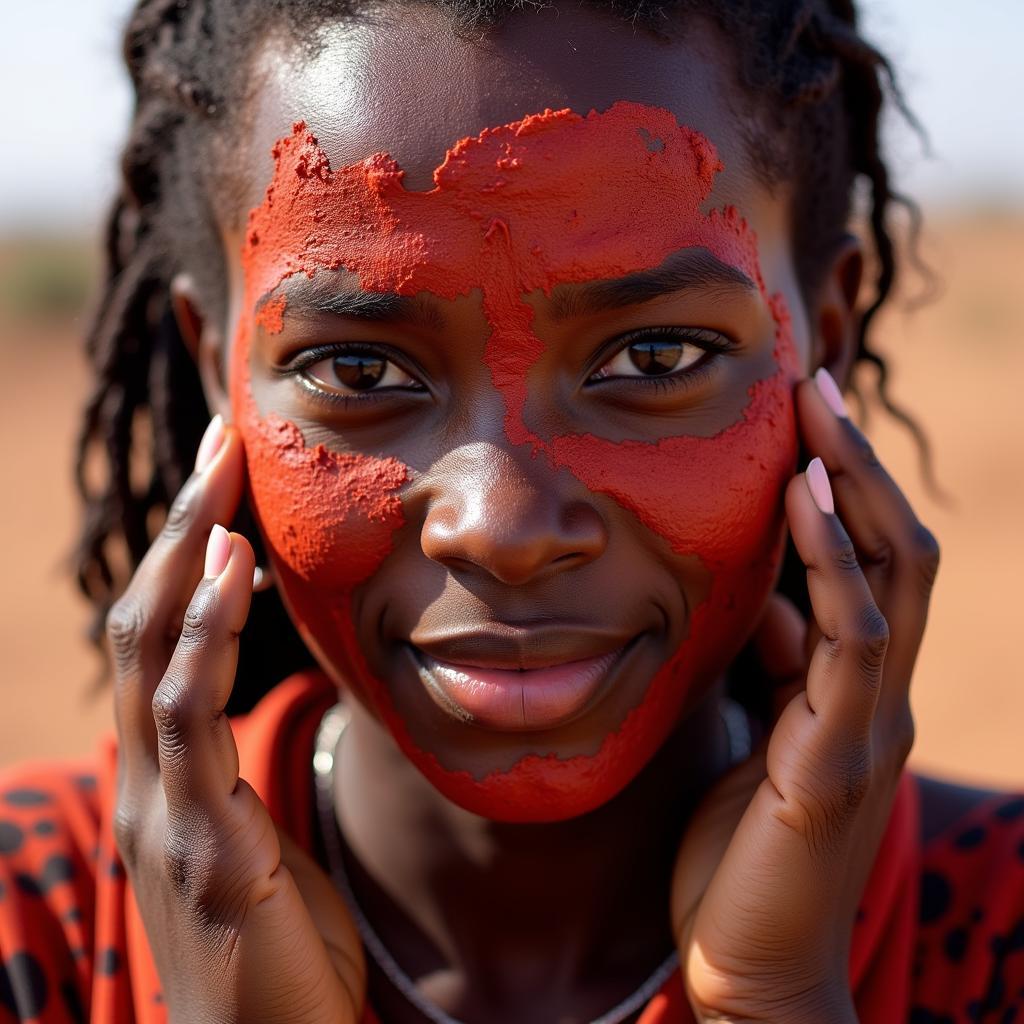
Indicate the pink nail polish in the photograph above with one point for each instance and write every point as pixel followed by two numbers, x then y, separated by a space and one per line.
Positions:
pixel 218 551
pixel 829 390
pixel 821 490
pixel 213 438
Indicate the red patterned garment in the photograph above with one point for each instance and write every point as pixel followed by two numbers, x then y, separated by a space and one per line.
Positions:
pixel 939 939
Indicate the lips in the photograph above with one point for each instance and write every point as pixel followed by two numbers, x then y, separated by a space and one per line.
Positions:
pixel 516 699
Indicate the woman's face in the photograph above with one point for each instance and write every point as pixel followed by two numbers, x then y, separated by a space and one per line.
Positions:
pixel 516 395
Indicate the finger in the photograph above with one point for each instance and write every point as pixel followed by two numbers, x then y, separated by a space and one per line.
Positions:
pixel 196 749
pixel 844 675
pixel 148 613
pixel 898 553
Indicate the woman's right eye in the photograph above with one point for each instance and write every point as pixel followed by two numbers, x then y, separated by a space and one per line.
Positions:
pixel 354 371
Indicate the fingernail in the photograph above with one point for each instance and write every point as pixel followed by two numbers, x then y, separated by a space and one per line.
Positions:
pixel 829 390
pixel 821 490
pixel 218 551
pixel 213 438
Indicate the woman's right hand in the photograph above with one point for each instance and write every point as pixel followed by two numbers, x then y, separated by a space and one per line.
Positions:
pixel 243 925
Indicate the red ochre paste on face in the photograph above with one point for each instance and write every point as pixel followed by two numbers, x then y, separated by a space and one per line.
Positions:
pixel 555 198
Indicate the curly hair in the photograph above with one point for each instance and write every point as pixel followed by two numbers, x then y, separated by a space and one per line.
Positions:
pixel 818 87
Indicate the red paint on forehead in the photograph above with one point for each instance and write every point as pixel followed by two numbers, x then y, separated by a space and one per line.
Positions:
pixel 553 199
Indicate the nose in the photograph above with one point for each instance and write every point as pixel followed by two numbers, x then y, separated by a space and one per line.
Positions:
pixel 509 515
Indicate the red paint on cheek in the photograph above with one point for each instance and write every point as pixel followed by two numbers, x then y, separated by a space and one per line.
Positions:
pixel 553 199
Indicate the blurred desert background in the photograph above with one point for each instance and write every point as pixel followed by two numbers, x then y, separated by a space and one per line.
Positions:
pixel 957 365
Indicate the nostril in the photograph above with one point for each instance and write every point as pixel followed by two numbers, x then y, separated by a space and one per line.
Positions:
pixel 573 556
pixel 513 519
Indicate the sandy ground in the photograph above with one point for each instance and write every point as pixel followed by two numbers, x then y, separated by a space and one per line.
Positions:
pixel 959 364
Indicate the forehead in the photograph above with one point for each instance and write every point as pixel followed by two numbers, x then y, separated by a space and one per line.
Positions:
pixel 402 81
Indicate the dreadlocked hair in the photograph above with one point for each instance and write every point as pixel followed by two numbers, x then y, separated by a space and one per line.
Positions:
pixel 818 89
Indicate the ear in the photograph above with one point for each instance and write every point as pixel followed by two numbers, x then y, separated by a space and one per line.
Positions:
pixel 835 316
pixel 205 342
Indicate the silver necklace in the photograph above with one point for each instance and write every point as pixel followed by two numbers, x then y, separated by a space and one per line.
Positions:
pixel 328 737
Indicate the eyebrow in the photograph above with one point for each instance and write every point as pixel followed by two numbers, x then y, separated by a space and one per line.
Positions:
pixel 322 294
pixel 692 268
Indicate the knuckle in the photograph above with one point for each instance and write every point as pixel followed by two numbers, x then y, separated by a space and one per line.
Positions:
pixel 126 834
pixel 181 514
pixel 927 555
pixel 844 558
pixel 195 624
pixel 124 626
pixel 903 736
pixel 872 639
pixel 882 556
pixel 170 706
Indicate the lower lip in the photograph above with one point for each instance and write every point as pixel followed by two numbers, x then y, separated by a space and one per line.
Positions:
pixel 516 701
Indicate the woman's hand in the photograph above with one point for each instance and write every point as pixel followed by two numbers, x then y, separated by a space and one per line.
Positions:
pixel 772 868
pixel 243 926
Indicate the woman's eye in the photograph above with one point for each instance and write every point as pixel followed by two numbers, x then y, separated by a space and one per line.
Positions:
pixel 356 371
pixel 653 357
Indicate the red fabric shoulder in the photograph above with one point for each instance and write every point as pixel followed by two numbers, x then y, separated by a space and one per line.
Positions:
pixel 72 944
pixel 969 963
pixel 49 829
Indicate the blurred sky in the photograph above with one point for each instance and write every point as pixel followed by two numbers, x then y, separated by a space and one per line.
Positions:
pixel 65 104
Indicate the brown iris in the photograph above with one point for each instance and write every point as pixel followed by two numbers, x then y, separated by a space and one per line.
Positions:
pixel 654 357
pixel 360 371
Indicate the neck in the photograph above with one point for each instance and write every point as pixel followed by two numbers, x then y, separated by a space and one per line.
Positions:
pixel 485 915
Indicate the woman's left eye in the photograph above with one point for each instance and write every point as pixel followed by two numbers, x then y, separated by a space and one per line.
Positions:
pixel 661 353
pixel 357 371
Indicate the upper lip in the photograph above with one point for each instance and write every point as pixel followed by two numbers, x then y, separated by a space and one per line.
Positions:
pixel 513 647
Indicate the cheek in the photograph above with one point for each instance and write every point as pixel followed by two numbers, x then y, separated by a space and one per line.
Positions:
pixel 327 517
pixel 714 497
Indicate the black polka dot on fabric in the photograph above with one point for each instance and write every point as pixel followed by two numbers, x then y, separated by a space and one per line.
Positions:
pixel 44 827
pixel 955 944
pixel 919 1015
pixel 72 1001
pixel 970 839
pixel 11 837
pixel 23 988
pixel 115 870
pixel 108 962
pixel 27 884
pixel 74 915
pixel 3 891
pixel 935 896
pixel 85 781
pixel 57 870
pixel 1020 850
pixel 26 797
pixel 1009 1015
pixel 1011 811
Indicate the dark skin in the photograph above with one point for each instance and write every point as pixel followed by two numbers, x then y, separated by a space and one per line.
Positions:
pixel 436 896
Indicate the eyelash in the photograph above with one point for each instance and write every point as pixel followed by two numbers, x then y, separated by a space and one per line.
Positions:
pixel 713 343
pixel 311 356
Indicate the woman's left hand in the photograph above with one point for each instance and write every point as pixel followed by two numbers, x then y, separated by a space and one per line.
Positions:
pixel 773 866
